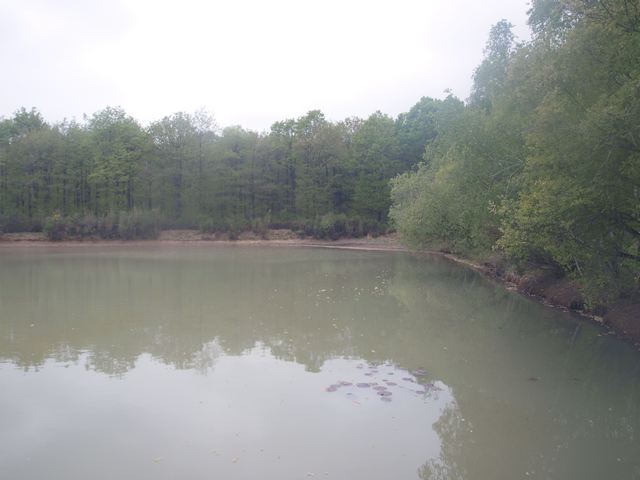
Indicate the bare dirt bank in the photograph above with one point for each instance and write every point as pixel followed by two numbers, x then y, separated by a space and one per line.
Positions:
pixel 623 317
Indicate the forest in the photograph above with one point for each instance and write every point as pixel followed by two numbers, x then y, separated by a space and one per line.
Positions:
pixel 542 164
pixel 308 174
pixel 539 166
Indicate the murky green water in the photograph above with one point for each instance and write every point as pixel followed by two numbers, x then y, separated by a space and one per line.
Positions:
pixel 220 362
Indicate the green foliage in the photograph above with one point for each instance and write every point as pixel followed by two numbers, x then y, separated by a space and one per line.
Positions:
pixel 133 225
pixel 138 224
pixel 333 226
pixel 544 163
pixel 376 158
pixel 213 225
pixel 17 222
pixel 490 77
pixel 260 226
pixel 56 228
pixel 195 176
pixel 450 201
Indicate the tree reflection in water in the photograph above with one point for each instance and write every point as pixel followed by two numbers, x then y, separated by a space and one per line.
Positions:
pixel 448 465
pixel 188 308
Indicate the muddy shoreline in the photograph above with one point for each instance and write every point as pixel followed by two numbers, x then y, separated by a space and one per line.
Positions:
pixel 383 243
pixel 622 318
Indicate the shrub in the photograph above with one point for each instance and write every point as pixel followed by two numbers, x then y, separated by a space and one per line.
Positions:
pixel 213 225
pixel 373 228
pixel 55 228
pixel 12 223
pixel 236 227
pixel 232 227
pixel 136 224
pixel 260 227
pixel 354 227
pixel 332 226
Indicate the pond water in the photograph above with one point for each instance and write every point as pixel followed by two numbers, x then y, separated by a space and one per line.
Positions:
pixel 280 363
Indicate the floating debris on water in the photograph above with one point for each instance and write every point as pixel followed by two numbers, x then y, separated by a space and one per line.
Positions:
pixel 385 388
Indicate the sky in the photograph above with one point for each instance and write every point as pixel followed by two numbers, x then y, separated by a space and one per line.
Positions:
pixel 247 62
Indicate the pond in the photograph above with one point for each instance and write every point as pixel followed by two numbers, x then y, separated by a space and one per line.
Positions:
pixel 239 362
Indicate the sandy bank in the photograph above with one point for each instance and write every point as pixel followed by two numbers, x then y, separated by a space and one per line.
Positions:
pixel 284 238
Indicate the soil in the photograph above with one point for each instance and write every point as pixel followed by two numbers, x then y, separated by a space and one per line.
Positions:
pixel 8 238
pixel 168 237
pixel 622 317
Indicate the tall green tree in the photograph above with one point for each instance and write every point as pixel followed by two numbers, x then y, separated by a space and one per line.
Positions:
pixel 376 157
pixel 118 143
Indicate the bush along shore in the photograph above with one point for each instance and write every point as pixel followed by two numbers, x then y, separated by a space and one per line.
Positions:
pixel 538 174
pixel 133 225
pixel 148 225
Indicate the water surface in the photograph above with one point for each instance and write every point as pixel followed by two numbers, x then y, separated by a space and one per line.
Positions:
pixel 277 363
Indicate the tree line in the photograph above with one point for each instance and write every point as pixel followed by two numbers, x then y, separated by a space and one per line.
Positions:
pixel 321 177
pixel 542 164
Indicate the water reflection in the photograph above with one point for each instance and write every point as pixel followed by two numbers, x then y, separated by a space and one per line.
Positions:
pixel 513 390
pixel 448 464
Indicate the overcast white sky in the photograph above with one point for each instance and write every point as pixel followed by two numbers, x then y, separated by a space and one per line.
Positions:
pixel 249 62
